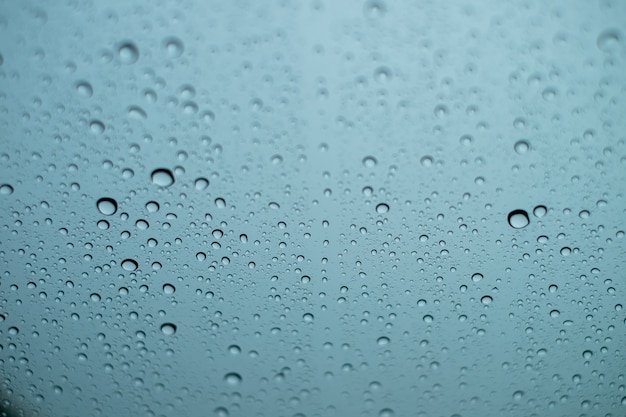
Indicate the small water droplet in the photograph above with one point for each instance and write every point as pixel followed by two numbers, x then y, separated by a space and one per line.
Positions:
pixel 107 206
pixel 127 52
pixel 96 126
pixel 382 208
pixel 173 47
pixel 521 146
pixel 426 161
pixel 234 350
pixel 137 113
pixel 168 329
pixel 130 265
pixel 477 277
pixel 518 219
pixel 162 177
pixel 84 89
pixel 517 395
pixel 369 162
pixel 540 211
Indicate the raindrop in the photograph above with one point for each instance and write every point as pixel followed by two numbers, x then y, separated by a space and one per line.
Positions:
pixel 6 189
pixel 521 146
pixel 127 53
pixel 609 40
pixel 136 112
pixel 477 277
pixel 152 206
pixel 540 211
pixel 162 177
pixel 552 288
pixel 130 265
pixel 201 183
pixel 308 317
pixel 95 297
pixel 386 412
pixel 232 378
pixel 427 318
pixel 555 313
pixel 382 74
pixel 173 47
pixel 234 349
pixel 169 289
pixel 96 127
pixel 486 300
pixel 107 206
pixel 220 203
pixel 587 354
pixel 426 161
pixel 382 208
pixel 84 89
pixel 566 251
pixel 369 162
pixel 517 395
pixel 518 219
pixel 168 329
pixel 382 341
pixel 584 214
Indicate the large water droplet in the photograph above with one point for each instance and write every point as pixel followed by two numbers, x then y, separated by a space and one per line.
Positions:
pixel 6 189
pixel 521 146
pixel 232 378
pixel 382 208
pixel 162 177
pixel 369 162
pixel 130 265
pixel 518 219
pixel 168 329
pixel 173 47
pixel 609 40
pixel 83 88
pixel 169 289
pixel 107 206
pixel 540 211
pixel 477 277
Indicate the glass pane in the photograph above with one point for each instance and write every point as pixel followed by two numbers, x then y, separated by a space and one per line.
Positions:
pixel 312 208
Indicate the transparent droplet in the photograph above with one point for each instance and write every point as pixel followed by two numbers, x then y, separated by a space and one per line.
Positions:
pixel 517 395
pixel 130 265
pixel 521 146
pixel 96 126
pixel 152 206
pixel 555 313
pixel 107 206
pixel 6 189
pixel 369 162
pixel 540 211
pixel 477 277
pixel 518 219
pixel 486 299
pixel 162 177
pixel 382 341
pixel 382 74
pixel 232 378
pixel 386 412
pixel 566 251
pixel 609 40
pixel 127 52
pixel 426 161
pixel 168 329
pixel 84 89
pixel 95 297
pixel 382 208
pixel 169 289
pixel 308 317
pixel 173 47
pixel 201 183
pixel 137 113
pixel 234 350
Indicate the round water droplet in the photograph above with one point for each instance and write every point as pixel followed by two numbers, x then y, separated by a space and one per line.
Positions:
pixel 427 318
pixel 97 127
pixel 477 277
pixel 107 206
pixel 127 52
pixel 584 214
pixel 232 378
pixel 6 189
pixel 84 89
pixel 308 317
pixel 130 265
pixel 587 354
pixel 486 300
pixel 201 183
pixel 609 40
pixel 521 146
pixel 369 162
pixel 540 211
pixel 426 161
pixel 168 329
pixel 162 177
pixel 555 313
pixel 95 297
pixel 173 47
pixel 382 74
pixel 517 395
pixel 220 203
pixel 382 341
pixel 137 113
pixel 169 289
pixel 234 350
pixel 382 208
pixel 386 412
pixel 518 219
pixel 152 206
pixel 305 279
pixel 566 251
pixel 553 288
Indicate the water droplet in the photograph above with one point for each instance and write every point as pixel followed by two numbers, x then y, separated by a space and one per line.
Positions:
pixel 137 113
pixel 369 162
pixel 168 329
pixel 220 203
pixel 201 183
pixel 609 40
pixel 386 412
pixel 521 146
pixel 382 74
pixel 96 126
pixel 173 46
pixel 426 161
pixel 95 297
pixel 169 289
pixel 584 214
pixel 130 265
pixel 234 350
pixel 486 300
pixel 540 211
pixel 273 205
pixel 555 313
pixel 276 159
pixel 152 206
pixel 518 219
pixel 427 318
pixel 162 177
pixel 84 89
pixel 6 189
pixel 477 277
pixel 517 395
pixel 232 378
pixel 382 208
pixel 305 279
pixel 308 317
pixel 552 288
pixel 566 251
pixel 127 53
pixel 107 206
pixel 382 341
pixel 587 354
